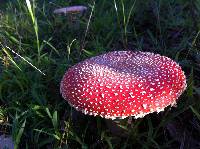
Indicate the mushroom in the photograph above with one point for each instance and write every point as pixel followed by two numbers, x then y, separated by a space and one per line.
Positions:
pixel 73 14
pixel 71 10
pixel 120 84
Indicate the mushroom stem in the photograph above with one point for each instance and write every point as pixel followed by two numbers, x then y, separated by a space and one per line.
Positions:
pixel 130 119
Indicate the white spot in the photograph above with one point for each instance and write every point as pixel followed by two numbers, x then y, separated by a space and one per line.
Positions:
pixel 152 89
pixel 144 106
pixel 115 94
pixel 102 95
pixel 108 86
pixel 101 73
pixel 131 94
pixel 152 83
pixel 143 92
pixel 101 84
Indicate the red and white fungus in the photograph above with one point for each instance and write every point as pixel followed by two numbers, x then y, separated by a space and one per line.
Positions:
pixel 123 83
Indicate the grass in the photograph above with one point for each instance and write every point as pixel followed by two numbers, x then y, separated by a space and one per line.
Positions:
pixel 37 47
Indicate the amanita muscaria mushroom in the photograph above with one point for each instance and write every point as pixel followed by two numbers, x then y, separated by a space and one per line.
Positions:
pixel 123 83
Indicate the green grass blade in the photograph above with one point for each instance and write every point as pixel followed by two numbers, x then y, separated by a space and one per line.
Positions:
pixel 50 134
pixel 48 112
pixel 195 112
pixel 28 3
pixel 19 135
pixel 55 120
pixel 10 58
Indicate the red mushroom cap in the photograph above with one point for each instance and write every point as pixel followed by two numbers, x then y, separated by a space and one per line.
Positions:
pixel 123 83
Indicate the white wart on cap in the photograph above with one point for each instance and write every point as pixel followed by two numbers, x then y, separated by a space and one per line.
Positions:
pixel 123 83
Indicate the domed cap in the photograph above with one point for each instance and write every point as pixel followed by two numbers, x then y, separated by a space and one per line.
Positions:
pixel 70 10
pixel 123 83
